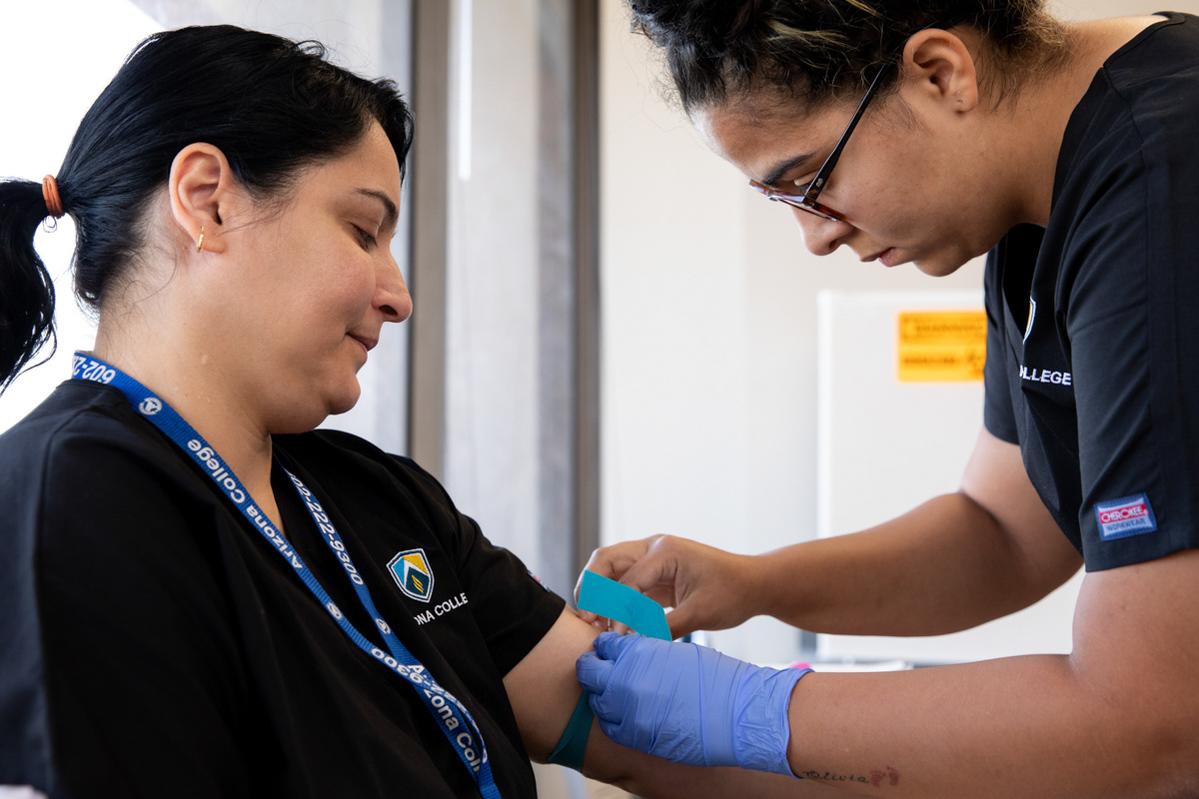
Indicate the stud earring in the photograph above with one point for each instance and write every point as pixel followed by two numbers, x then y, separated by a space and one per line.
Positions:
pixel 200 241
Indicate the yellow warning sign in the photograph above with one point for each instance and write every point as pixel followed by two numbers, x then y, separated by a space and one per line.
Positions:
pixel 942 346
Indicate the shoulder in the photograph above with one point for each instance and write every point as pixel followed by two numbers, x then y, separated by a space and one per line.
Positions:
pixel 349 463
pixel 341 449
pixel 83 436
pixel 1139 113
pixel 85 479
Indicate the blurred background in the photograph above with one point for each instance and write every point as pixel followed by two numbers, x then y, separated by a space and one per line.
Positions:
pixel 613 336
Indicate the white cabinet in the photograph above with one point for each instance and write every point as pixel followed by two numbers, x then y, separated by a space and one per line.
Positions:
pixel 885 446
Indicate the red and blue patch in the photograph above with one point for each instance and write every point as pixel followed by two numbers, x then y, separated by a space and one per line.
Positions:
pixel 1120 518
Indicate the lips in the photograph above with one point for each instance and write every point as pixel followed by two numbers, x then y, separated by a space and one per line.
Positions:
pixel 367 343
pixel 889 257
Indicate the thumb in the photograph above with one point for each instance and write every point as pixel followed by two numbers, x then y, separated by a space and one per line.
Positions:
pixel 593 673
pixel 653 568
pixel 610 646
pixel 681 621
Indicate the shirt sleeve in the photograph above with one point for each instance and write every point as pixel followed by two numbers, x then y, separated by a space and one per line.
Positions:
pixel 511 607
pixel 140 658
pixel 997 395
pixel 1133 284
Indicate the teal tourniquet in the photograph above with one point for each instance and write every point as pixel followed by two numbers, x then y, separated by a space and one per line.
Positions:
pixel 609 599
pixel 573 743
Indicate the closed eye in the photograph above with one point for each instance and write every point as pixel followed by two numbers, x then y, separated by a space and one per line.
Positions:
pixel 365 239
pixel 802 183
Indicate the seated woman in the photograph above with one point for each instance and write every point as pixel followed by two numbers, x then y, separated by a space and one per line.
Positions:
pixel 203 596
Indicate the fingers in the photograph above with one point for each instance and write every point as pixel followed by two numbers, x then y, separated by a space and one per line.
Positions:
pixel 612 561
pixel 615 560
pixel 608 715
pixel 611 646
pixel 593 672
pixel 655 571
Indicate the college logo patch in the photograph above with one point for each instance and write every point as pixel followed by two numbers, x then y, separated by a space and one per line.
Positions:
pixel 1121 518
pixel 412 573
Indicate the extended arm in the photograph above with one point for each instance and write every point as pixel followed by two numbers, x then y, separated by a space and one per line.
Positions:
pixel 543 692
pixel 954 562
pixel 1114 718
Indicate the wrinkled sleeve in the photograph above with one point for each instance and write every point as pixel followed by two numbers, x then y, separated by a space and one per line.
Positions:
pixel 513 610
pixel 1133 268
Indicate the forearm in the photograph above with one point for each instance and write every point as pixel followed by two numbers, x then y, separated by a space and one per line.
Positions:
pixel 544 692
pixel 1029 726
pixel 945 566
pixel 652 777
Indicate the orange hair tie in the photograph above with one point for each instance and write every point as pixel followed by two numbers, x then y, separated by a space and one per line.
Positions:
pixel 51 196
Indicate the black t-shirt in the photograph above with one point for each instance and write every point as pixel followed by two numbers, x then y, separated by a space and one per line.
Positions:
pixel 153 644
pixel 1093 321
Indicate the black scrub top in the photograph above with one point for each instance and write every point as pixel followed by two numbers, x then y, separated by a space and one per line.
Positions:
pixel 152 644
pixel 1093 321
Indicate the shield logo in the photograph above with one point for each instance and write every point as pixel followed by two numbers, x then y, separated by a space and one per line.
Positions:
pixel 412 573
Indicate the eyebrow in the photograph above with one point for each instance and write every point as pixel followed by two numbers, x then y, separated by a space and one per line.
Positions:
pixel 388 205
pixel 783 167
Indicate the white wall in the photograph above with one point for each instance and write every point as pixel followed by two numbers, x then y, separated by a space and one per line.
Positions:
pixel 87 54
pixel 46 93
pixel 709 401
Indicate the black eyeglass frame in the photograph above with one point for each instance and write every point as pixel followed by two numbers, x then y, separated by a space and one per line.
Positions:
pixel 806 201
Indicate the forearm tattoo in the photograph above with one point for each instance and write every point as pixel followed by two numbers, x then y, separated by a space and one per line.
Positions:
pixel 877 777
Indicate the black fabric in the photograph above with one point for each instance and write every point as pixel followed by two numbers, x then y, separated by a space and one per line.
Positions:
pixel 154 645
pixel 1093 340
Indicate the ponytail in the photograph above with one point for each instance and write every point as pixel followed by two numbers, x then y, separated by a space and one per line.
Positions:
pixel 26 290
pixel 273 106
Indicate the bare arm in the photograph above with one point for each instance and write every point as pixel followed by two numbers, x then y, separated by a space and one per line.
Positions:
pixel 954 562
pixel 1116 718
pixel 543 693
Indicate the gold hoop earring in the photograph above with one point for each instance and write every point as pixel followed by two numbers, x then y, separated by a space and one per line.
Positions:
pixel 200 241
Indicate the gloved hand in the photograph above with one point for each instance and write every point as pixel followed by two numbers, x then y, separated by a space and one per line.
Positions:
pixel 688 703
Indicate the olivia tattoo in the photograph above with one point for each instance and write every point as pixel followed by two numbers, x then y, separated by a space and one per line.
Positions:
pixel 878 778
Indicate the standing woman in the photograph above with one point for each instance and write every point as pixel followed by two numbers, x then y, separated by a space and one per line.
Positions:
pixel 931 133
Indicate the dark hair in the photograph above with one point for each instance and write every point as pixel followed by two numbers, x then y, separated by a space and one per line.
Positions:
pixel 817 50
pixel 272 105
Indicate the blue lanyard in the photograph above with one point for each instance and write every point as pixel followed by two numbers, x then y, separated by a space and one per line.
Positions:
pixel 452 717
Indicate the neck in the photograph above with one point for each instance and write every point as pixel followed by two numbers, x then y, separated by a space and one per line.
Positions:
pixel 193 383
pixel 1042 112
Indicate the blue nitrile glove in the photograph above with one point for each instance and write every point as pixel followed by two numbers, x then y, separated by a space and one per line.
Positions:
pixel 688 703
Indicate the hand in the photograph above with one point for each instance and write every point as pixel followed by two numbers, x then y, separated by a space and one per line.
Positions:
pixel 688 703
pixel 709 589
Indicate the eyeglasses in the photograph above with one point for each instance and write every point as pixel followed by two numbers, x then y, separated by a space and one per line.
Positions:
pixel 805 200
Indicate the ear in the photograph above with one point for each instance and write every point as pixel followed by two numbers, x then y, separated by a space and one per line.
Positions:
pixel 202 192
pixel 939 68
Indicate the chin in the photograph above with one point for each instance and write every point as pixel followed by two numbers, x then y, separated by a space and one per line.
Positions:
pixel 942 264
pixel 345 400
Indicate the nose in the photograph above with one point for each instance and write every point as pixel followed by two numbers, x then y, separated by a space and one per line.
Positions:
pixel 391 293
pixel 822 236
